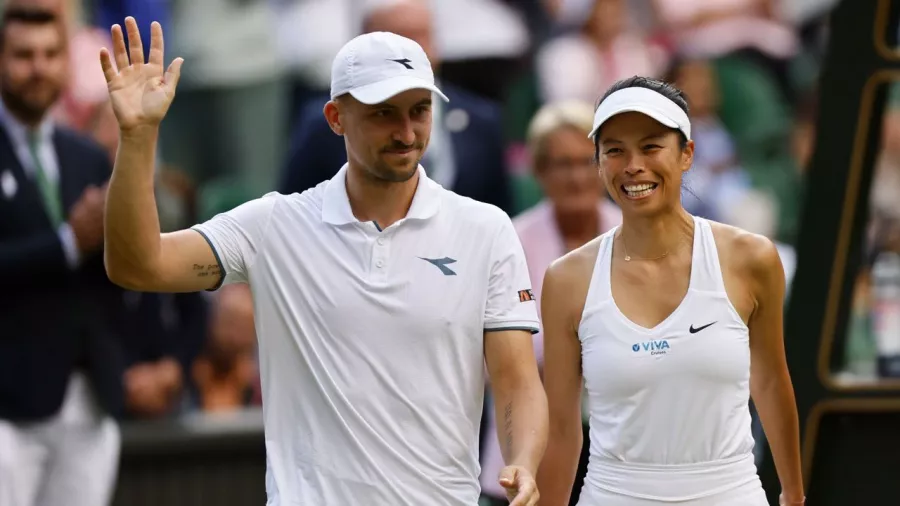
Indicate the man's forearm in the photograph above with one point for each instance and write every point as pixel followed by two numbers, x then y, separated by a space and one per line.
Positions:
pixel 522 425
pixel 132 223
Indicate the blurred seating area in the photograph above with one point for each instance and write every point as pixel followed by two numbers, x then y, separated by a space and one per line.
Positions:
pixel 247 120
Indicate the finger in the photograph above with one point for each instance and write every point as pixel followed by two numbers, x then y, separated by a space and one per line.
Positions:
pixel 157 45
pixel 173 73
pixel 134 42
pixel 109 71
pixel 523 498
pixel 119 52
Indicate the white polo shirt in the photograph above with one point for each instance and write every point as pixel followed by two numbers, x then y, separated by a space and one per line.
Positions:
pixel 371 341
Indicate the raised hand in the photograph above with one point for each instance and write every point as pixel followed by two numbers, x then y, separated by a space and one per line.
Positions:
pixel 140 92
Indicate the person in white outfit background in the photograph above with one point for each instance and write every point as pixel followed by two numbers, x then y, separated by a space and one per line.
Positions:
pixel 674 323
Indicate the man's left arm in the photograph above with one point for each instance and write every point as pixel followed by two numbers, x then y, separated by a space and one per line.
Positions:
pixel 520 402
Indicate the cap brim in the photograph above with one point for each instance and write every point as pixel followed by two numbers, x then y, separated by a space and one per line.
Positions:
pixel 381 91
pixel 641 108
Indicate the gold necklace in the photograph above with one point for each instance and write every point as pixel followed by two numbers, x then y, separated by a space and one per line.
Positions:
pixel 628 257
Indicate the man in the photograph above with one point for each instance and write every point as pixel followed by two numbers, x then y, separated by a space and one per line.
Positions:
pixel 466 152
pixel 59 368
pixel 379 295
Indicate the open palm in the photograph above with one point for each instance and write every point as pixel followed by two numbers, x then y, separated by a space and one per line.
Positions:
pixel 140 91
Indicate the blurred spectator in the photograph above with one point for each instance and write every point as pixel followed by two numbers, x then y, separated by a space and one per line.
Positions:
pixel 306 46
pixel 716 178
pixel 231 79
pixel 604 48
pixel 466 151
pixel 225 374
pixel 163 335
pixel 482 43
pixel 705 29
pixel 885 189
pixel 575 211
pixel 60 359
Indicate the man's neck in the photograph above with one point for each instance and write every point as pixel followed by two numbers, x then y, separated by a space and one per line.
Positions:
pixel 383 202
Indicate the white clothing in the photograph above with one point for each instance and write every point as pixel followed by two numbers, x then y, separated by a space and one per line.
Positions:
pixel 371 341
pixel 71 459
pixel 669 406
pixel 473 29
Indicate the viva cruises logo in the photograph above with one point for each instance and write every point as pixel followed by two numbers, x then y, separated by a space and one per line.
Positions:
pixel 653 347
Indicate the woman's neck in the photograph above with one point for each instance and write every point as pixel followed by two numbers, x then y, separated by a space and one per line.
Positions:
pixel 657 236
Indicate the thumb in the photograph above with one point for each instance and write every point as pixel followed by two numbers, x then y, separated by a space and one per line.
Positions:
pixel 173 73
pixel 508 477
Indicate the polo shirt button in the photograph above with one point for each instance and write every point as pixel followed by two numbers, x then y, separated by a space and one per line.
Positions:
pixel 379 263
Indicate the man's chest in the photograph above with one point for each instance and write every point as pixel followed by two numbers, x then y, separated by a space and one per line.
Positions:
pixel 428 277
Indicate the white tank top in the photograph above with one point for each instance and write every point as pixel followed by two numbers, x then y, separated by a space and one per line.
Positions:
pixel 669 412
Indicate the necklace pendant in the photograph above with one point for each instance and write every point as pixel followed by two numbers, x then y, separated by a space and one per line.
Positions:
pixel 627 258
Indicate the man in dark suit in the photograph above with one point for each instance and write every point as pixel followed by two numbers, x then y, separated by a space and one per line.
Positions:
pixel 60 364
pixel 466 152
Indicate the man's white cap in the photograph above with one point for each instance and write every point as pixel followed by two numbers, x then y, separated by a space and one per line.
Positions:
pixel 645 101
pixel 375 66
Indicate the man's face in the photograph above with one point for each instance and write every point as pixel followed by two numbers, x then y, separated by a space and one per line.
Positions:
pixel 386 139
pixel 33 68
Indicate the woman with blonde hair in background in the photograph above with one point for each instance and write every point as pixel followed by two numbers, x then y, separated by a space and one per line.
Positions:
pixel 574 210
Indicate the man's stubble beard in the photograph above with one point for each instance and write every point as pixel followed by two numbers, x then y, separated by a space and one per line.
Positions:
pixel 383 172
pixel 23 109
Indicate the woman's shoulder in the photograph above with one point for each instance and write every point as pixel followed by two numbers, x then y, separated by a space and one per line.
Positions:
pixel 746 252
pixel 577 266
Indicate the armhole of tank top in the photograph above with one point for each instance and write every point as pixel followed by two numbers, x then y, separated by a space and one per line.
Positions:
pixel 715 266
pixel 596 290
pixel 711 254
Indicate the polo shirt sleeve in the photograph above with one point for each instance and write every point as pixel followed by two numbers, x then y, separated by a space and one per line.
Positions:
pixel 236 237
pixel 510 302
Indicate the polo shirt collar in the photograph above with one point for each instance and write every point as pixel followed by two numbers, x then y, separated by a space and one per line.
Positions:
pixel 336 203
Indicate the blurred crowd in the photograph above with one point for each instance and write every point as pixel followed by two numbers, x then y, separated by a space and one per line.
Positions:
pixel 522 76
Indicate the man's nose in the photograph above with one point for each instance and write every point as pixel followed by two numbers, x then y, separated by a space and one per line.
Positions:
pixel 404 132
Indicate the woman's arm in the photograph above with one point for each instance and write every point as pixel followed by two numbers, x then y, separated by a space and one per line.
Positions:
pixel 562 382
pixel 770 381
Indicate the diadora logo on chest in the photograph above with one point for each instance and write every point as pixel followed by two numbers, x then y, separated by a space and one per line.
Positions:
pixel 442 263
pixel 652 347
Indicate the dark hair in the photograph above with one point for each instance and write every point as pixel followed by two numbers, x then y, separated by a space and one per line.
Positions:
pixel 662 87
pixel 27 15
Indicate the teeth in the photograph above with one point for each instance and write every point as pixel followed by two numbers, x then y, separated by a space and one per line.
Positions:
pixel 639 190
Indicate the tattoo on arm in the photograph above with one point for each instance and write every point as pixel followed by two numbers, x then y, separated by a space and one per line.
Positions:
pixel 507 427
pixel 204 271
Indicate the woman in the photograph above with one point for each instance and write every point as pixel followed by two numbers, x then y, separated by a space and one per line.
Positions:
pixel 663 316
pixel 574 211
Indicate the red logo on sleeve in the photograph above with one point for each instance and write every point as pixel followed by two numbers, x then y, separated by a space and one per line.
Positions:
pixel 525 295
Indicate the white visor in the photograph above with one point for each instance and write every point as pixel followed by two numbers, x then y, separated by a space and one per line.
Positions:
pixel 381 91
pixel 644 101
